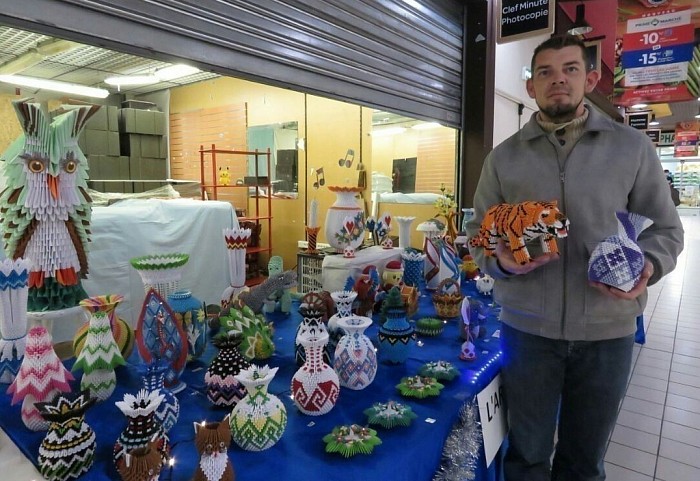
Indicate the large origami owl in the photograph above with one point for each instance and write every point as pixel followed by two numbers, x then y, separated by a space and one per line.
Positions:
pixel 45 209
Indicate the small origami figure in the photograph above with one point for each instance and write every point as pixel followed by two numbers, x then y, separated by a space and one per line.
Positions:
pixel 519 224
pixel 469 267
pixel 468 350
pixel 618 260
pixel 212 441
pixel 484 284
pixel 224 176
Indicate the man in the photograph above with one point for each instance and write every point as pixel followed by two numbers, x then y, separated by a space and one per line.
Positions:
pixel 567 343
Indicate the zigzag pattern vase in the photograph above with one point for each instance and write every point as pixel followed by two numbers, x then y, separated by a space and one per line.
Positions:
pixel 258 421
pixel 142 428
pixel 223 389
pixel 68 449
pixel 14 275
pixel 99 355
pixel 355 360
pixel 315 386
pixel 396 336
pixel 168 411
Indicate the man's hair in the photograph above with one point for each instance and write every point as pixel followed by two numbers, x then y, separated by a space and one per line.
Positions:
pixel 557 42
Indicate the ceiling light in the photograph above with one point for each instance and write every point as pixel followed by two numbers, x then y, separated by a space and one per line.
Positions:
pixel 388 132
pixel 426 125
pixel 697 116
pixel 653 120
pixel 131 80
pixel 175 71
pixel 640 106
pixel 54 85
pixel 580 26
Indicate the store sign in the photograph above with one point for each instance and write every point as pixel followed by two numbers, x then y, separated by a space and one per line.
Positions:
pixel 638 121
pixel 654 135
pixel 667 138
pixel 518 19
pixel 492 411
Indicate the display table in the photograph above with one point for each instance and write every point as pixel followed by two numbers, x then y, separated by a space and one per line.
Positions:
pixel 406 453
pixel 337 268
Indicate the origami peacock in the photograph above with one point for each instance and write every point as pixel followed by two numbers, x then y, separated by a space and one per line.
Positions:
pixel 45 209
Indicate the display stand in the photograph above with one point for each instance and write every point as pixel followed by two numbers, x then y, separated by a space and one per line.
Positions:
pixel 258 219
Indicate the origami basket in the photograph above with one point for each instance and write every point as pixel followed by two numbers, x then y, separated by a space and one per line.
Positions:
pixel 447 298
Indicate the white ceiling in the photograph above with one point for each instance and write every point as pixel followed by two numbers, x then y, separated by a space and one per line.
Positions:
pixel 83 64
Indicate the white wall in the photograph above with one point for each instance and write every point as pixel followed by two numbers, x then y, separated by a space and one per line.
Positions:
pixel 510 87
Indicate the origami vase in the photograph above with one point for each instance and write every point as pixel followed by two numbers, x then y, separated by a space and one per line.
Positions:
pixel 258 421
pixel 161 272
pixel 315 385
pixel 68 449
pixel 345 219
pixel 160 337
pixel 355 360
pixel 223 389
pixel 312 321
pixel 343 305
pixel 412 267
pixel 396 336
pixel 405 230
pixel 236 245
pixel 168 410
pixel 14 275
pixel 99 356
pixel 40 377
pixel 189 311
pixel 142 427
pixel 121 330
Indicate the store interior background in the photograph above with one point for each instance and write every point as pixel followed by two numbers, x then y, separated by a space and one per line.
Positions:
pixel 224 111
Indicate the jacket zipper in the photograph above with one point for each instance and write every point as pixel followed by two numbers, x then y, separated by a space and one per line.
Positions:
pixel 562 178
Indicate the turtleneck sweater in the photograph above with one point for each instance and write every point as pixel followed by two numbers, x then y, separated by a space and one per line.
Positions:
pixel 567 133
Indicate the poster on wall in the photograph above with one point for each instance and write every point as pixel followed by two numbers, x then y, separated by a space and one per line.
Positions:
pixel 687 138
pixel 656 56
pixel 518 19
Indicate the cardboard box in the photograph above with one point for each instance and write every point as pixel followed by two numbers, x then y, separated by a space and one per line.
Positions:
pixel 98 121
pixel 112 118
pixel 145 122
pixel 96 142
pixel 150 146
pixel 127 120
pixel 113 147
pixel 130 144
pixel 159 123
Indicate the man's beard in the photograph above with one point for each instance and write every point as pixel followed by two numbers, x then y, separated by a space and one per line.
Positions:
pixel 560 113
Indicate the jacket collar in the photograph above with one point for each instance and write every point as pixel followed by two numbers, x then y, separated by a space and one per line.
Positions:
pixel 596 122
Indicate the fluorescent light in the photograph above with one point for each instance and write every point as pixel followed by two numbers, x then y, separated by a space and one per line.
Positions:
pixel 131 80
pixel 176 71
pixel 54 85
pixel 426 125
pixel 388 132
pixel 639 106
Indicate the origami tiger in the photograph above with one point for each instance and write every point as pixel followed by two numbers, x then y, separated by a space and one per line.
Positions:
pixel 519 224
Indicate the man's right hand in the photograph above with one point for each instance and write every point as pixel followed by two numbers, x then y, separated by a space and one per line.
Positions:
pixel 508 262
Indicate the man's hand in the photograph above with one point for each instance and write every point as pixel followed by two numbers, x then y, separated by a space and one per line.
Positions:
pixel 508 262
pixel 616 293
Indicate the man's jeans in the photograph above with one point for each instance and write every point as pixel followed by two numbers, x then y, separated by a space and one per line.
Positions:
pixel 580 384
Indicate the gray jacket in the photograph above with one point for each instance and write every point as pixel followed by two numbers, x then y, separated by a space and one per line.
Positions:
pixel 611 168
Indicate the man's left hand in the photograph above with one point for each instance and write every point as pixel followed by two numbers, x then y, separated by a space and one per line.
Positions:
pixel 609 291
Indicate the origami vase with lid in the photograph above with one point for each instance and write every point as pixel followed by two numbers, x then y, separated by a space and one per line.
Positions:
pixel 345 219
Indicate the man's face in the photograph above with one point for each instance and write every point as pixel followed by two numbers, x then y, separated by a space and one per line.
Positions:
pixel 559 82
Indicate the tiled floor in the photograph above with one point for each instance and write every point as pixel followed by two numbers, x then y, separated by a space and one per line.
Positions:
pixel 657 436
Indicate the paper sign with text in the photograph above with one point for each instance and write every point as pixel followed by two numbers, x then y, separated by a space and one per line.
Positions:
pixel 492 410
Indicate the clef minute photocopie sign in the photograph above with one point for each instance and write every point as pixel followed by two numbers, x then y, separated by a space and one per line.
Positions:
pixel 519 19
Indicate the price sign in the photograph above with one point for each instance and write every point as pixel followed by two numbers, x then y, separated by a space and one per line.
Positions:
pixel 657 56
pixel 656 39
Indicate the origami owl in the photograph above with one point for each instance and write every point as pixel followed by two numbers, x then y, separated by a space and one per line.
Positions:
pixel 45 209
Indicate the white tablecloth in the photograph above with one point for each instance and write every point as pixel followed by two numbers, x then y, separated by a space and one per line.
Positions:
pixel 137 227
pixel 336 268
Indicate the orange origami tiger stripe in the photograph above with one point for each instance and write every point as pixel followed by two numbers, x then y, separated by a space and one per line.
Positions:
pixel 519 224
